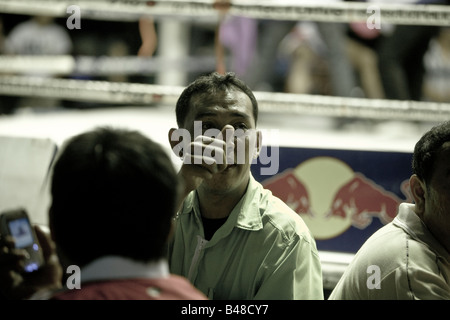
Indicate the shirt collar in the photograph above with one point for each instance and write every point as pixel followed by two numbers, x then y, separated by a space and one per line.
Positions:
pixel 116 267
pixel 408 220
pixel 249 216
pixel 245 215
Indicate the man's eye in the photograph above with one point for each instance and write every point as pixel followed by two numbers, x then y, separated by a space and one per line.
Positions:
pixel 206 126
pixel 242 126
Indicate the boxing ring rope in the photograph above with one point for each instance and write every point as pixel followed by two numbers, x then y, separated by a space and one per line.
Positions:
pixel 145 94
pixel 134 93
pixel 129 10
pixel 68 65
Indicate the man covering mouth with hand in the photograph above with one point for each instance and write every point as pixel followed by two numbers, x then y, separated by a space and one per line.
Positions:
pixel 233 239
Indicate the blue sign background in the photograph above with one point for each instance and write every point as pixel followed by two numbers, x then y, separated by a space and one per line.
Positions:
pixel 387 169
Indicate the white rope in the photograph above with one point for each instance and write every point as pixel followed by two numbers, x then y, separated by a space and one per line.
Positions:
pixel 335 11
pixel 145 94
pixel 86 90
pixel 353 107
pixel 102 65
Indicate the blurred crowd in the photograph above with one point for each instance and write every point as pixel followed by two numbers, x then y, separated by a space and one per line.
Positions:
pixel 402 62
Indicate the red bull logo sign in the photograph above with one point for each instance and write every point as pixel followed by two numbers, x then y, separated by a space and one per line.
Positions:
pixel 334 199
pixel 362 199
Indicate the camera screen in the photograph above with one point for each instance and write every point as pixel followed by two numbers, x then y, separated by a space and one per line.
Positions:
pixel 21 231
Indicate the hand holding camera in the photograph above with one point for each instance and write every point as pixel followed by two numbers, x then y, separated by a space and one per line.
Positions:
pixel 28 260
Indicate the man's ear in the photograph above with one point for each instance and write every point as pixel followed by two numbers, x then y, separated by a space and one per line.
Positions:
pixel 174 142
pixel 171 141
pixel 418 190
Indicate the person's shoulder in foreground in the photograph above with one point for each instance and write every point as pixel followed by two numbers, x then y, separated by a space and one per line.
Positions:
pixel 104 223
pixel 409 258
pixel 154 283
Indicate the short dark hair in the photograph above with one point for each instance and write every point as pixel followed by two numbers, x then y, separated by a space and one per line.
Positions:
pixel 114 192
pixel 427 149
pixel 210 84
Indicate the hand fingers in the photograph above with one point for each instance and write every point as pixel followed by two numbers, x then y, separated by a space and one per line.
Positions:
pixel 7 241
pixel 228 133
pixel 216 153
pixel 207 152
pixel 209 164
pixel 11 259
pixel 223 140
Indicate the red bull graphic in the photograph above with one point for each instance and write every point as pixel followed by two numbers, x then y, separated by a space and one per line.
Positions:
pixel 291 190
pixel 362 199
pixel 342 195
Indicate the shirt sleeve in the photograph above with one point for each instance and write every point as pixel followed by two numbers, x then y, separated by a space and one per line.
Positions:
pixel 296 274
pixel 428 286
pixel 427 275
pixel 420 277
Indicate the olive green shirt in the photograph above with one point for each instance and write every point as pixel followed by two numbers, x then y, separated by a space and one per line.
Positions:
pixel 400 261
pixel 263 251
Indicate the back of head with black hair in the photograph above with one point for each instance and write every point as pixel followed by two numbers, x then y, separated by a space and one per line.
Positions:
pixel 113 193
pixel 210 84
pixel 427 149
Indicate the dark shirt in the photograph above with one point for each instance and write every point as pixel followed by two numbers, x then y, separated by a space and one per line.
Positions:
pixel 210 226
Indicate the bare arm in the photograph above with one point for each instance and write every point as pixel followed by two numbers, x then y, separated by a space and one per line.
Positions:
pixel 148 36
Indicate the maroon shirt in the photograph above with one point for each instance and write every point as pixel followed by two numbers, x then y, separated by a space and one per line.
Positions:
pixel 171 288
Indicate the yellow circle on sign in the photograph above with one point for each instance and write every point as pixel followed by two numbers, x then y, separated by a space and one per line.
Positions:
pixel 323 177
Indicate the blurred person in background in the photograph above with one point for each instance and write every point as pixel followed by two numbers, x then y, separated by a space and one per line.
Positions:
pixel 253 45
pixel 40 35
pixel 361 48
pixel 149 37
pixel 436 86
pixel 401 55
pixel 7 103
